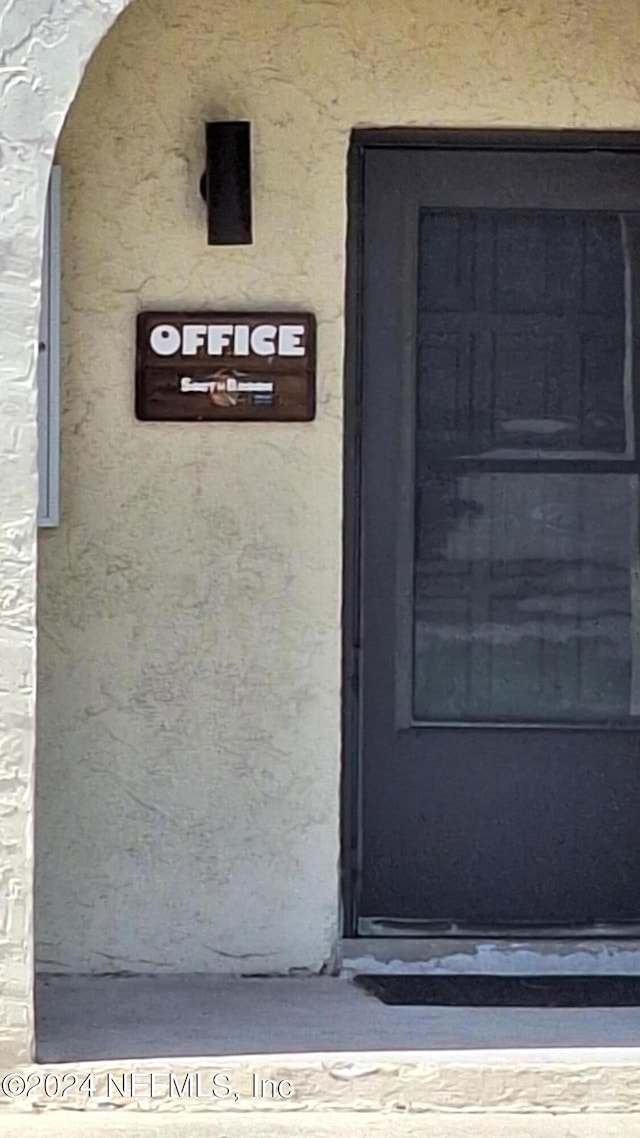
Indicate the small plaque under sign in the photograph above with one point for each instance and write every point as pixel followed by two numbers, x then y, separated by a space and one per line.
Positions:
pixel 211 366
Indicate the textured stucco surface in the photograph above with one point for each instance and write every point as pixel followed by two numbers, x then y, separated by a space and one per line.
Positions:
pixel 154 1124
pixel 517 1083
pixel 306 73
pixel 190 601
pixel 44 45
pixel 146 1124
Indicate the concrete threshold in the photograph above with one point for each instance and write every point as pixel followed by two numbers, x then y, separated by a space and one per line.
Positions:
pixel 493 956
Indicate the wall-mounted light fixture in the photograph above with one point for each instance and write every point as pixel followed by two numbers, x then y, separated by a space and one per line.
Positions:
pixel 226 183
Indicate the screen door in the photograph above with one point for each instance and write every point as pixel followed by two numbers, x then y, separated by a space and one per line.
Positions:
pixel 499 604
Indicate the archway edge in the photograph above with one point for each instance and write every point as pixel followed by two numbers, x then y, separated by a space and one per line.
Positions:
pixel 46 47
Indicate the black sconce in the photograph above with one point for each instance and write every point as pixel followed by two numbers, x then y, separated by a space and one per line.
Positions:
pixel 226 183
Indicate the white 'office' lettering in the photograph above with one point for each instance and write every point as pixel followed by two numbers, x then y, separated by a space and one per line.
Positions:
pixel 228 339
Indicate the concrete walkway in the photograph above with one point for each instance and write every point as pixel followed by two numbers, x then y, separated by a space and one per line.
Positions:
pixel 81 1019
pixel 346 1126
pixel 137 1048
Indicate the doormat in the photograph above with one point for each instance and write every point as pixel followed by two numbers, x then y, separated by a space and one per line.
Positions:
pixel 504 991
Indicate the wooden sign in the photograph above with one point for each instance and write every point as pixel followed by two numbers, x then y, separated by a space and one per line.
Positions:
pixel 212 366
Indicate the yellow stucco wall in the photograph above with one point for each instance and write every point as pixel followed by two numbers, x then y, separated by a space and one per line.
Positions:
pixel 190 600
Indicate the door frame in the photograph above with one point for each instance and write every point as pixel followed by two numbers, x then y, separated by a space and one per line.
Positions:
pixel 363 140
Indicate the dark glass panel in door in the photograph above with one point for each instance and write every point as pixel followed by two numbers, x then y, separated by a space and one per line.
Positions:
pixel 526 581
pixel 525 588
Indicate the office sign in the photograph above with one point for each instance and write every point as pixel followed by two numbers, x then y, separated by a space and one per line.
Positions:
pixel 212 366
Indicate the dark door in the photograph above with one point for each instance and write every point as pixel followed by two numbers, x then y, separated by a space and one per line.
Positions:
pixel 499 613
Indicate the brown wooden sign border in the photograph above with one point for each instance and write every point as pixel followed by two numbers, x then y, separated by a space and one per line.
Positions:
pixel 229 373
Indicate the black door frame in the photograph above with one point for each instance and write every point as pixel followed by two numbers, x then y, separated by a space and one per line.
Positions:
pixel 361 141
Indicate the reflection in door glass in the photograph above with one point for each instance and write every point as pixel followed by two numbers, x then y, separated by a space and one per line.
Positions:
pixel 525 334
pixel 525 589
pixel 527 572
